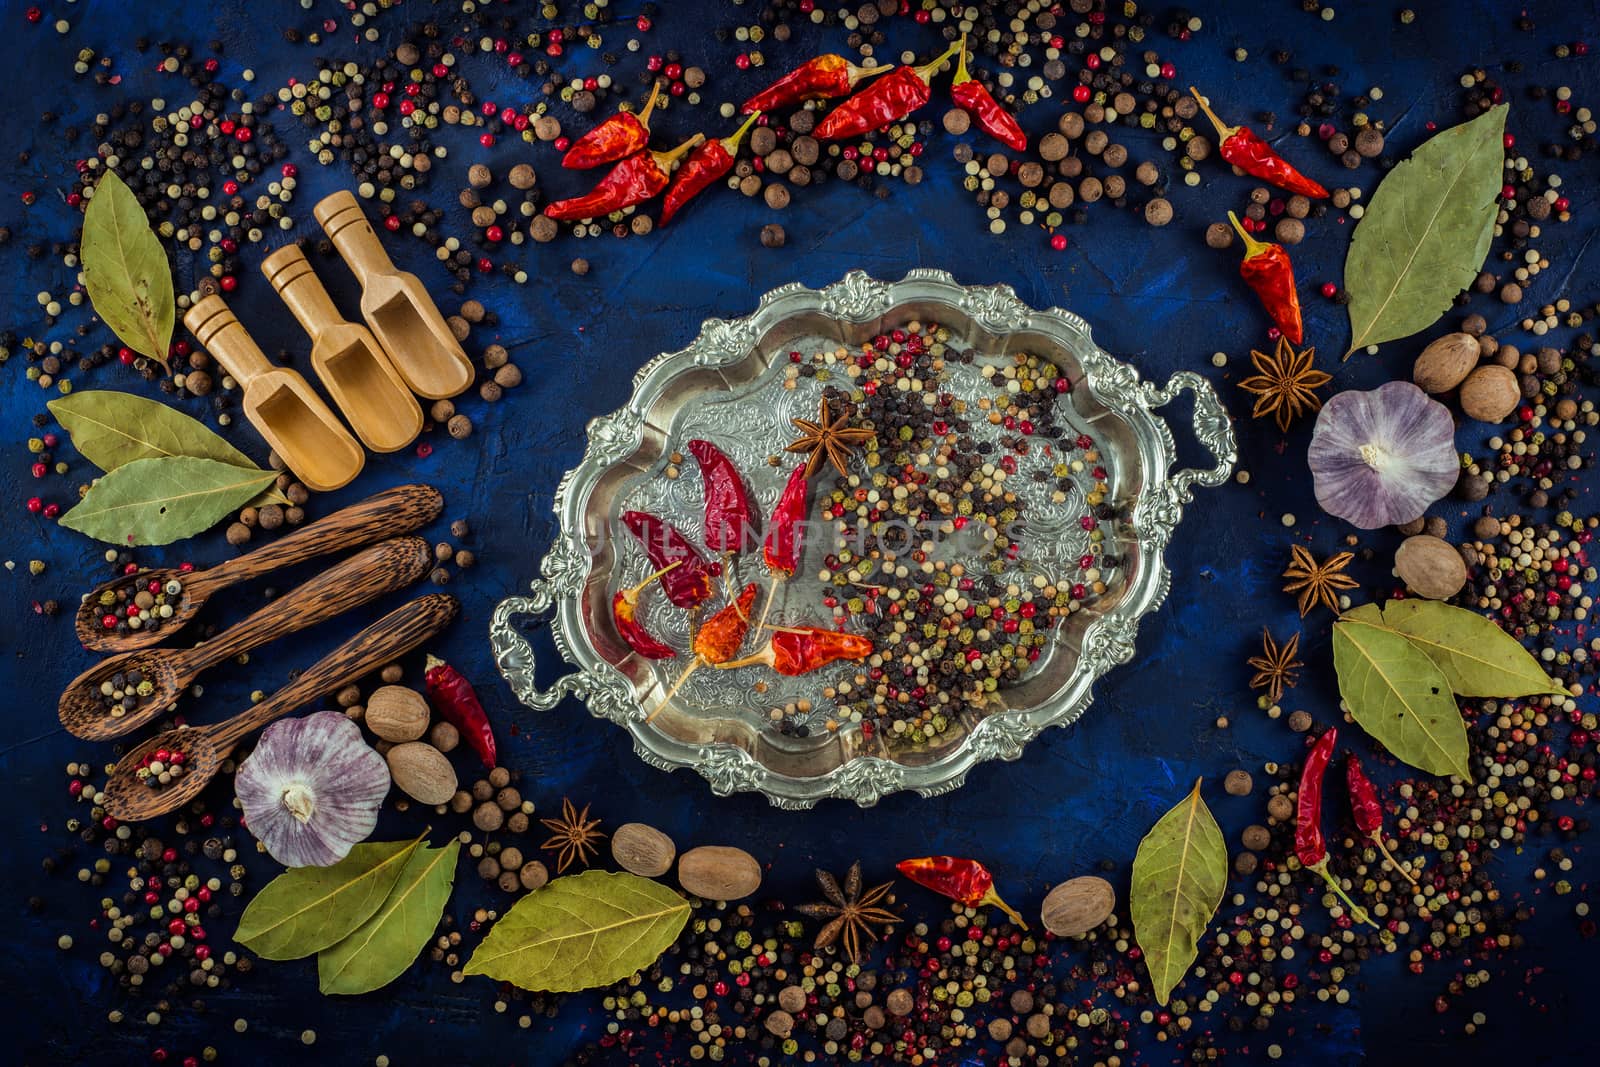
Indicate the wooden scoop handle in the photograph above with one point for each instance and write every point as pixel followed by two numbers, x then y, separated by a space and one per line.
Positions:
pixel 392 636
pixel 296 282
pixel 345 222
pixel 393 511
pixel 365 576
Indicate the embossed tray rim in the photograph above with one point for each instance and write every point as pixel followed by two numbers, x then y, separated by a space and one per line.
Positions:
pixel 858 298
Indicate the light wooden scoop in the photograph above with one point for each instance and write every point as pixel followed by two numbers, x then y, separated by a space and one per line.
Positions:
pixel 355 370
pixel 386 514
pixel 365 576
pixel 396 305
pixel 310 439
pixel 206 747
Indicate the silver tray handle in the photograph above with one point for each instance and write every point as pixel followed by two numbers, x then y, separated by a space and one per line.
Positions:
pixel 514 655
pixel 1211 427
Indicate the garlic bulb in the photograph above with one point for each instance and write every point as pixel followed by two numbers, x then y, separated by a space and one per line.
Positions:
pixel 312 789
pixel 1380 458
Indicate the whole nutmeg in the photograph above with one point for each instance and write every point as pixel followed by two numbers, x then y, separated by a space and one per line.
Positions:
pixel 643 850
pixel 1446 362
pixel 1490 393
pixel 396 713
pixel 1077 906
pixel 719 872
pixel 421 772
pixel 1430 567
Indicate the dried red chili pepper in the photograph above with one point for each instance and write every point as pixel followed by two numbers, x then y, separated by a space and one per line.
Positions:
pixel 784 532
pixel 625 614
pixel 452 697
pixel 1309 847
pixel 794 650
pixel 1245 150
pixel 721 636
pixel 902 92
pixel 966 881
pixel 816 79
pixel 703 167
pixel 970 96
pixel 729 527
pixel 1267 270
pixel 687 586
pixel 618 137
pixel 1368 812
pixel 633 181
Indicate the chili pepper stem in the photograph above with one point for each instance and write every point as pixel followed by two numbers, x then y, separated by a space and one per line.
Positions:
pixel 1224 131
pixel 1357 912
pixel 1376 837
pixel 961 65
pixel 634 592
pixel 765 656
pixel 650 104
pixel 665 160
pixel 928 70
pixel 731 142
pixel 766 608
pixel 860 74
pixel 992 899
pixel 677 685
pixel 1252 247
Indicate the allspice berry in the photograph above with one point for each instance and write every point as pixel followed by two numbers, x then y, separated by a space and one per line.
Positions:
pixel 1219 235
pixel 1158 212
pixel 508 376
pixel 772 236
pixel 1256 837
pixel 441 410
pixel 533 875
pixel 460 427
pixel 1289 231
pixel 522 176
pixel 488 817
pixel 1280 808
pixel 1237 783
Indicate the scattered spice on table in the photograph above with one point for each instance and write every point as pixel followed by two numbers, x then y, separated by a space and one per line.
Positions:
pixel 574 837
pixel 965 881
pixel 855 914
pixel 1278 666
pixel 1266 270
pixel 453 697
pixel 1285 383
pixel 1317 583
pixel 636 179
pixel 1309 846
pixel 616 138
pixel 1245 149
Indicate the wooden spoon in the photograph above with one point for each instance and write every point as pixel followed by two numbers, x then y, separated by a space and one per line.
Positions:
pixel 396 305
pixel 391 512
pixel 308 437
pixel 357 373
pixel 206 747
pixel 365 576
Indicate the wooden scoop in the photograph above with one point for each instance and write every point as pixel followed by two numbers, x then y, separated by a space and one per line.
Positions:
pixel 395 304
pixel 206 747
pixel 296 423
pixel 365 576
pixel 371 395
pixel 389 513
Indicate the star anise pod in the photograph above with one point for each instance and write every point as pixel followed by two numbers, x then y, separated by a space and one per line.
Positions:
pixel 1283 383
pixel 573 836
pixel 1277 667
pixel 852 913
pixel 1317 583
pixel 827 438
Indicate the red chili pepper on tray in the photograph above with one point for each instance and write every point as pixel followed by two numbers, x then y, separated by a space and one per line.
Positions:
pixel 625 614
pixel 618 137
pixel 1245 150
pixel 687 586
pixel 965 881
pixel 889 100
pixel 970 96
pixel 703 167
pixel 633 181
pixel 1266 269
pixel 1367 810
pixel 722 635
pixel 783 544
pixel 729 527
pixel 1308 844
pixel 815 79
pixel 794 650
pixel 453 698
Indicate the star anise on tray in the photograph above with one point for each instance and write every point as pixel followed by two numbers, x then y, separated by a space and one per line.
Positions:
pixel 1277 668
pixel 573 836
pixel 1317 583
pixel 853 914
pixel 828 438
pixel 1283 383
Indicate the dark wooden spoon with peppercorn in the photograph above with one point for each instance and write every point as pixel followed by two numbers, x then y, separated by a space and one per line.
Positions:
pixel 391 512
pixel 204 748
pixel 89 711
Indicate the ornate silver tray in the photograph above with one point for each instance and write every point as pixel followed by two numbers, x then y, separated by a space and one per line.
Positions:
pixel 726 386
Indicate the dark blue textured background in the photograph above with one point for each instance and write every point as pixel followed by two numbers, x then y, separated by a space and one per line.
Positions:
pixel 1159 298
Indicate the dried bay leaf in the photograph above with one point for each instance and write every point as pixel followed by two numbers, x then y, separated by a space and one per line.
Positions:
pixel 380 949
pixel 160 500
pixel 1398 695
pixel 1478 658
pixel 582 931
pixel 109 429
pixel 306 909
pixel 125 269
pixel 1425 232
pixel 1179 874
